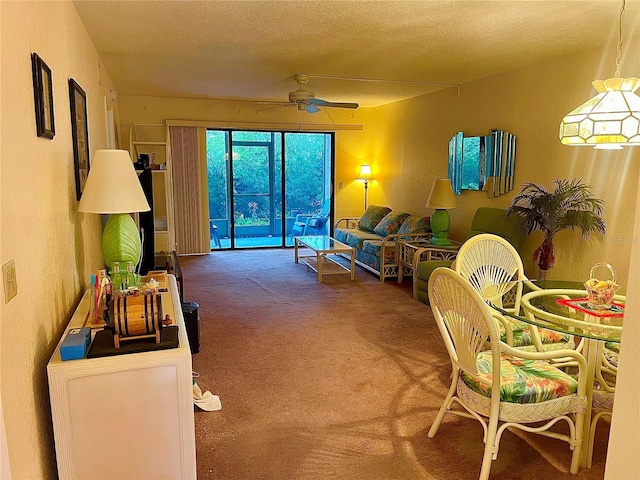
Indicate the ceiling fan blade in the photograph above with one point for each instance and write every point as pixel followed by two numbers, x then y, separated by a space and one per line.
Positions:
pixel 311 108
pixel 274 102
pixel 275 105
pixel 324 103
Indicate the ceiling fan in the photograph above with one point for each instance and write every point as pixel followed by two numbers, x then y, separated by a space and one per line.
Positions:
pixel 306 100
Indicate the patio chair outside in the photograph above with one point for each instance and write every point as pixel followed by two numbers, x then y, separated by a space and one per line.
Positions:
pixel 306 224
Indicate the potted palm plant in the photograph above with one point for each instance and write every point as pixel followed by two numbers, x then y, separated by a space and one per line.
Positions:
pixel 569 205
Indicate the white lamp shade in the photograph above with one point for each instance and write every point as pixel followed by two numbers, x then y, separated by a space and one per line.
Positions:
pixel 442 196
pixel 612 117
pixel 365 172
pixel 113 185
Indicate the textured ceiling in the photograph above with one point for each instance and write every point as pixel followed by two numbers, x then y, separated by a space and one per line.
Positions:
pixel 251 49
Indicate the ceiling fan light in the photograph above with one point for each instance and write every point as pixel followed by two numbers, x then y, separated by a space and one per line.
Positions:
pixel 611 117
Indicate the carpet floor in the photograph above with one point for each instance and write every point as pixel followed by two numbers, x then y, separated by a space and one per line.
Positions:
pixel 335 380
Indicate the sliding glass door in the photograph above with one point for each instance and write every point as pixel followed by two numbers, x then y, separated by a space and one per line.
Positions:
pixel 264 186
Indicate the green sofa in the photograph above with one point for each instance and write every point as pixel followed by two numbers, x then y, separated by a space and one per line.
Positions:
pixel 485 220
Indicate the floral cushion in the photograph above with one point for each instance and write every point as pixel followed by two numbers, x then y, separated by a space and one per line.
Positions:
pixel 613 346
pixel 415 224
pixel 373 247
pixel 390 224
pixel 522 381
pixel 354 237
pixel 342 234
pixel 612 352
pixel 372 216
pixel 522 336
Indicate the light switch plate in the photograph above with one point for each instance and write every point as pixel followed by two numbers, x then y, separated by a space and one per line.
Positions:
pixel 9 280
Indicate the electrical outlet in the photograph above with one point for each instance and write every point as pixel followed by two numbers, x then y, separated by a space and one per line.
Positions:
pixel 9 280
pixel 340 185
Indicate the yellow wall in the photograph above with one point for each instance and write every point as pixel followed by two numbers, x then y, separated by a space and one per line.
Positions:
pixel 406 144
pixel 623 459
pixel 237 114
pixel 409 144
pixel 55 248
pixel 410 140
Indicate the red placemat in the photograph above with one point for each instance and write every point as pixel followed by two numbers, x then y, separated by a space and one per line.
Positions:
pixel 581 304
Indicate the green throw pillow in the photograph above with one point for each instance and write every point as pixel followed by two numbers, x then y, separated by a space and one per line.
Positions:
pixel 415 224
pixel 390 224
pixel 372 216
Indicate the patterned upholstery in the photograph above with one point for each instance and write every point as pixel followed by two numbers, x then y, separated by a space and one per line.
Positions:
pixel 368 246
pixel 522 336
pixel 415 224
pixel 612 346
pixel 373 247
pixel 390 224
pixel 376 231
pixel 354 237
pixel 372 216
pixel 523 381
pixel 612 352
pixel 490 263
pixel 527 392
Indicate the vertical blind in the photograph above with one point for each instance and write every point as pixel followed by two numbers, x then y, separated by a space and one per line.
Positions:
pixel 189 191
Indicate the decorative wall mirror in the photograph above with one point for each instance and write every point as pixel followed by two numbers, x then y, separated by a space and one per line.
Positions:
pixel 482 163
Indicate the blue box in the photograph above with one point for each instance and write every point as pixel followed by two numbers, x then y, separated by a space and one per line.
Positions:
pixel 75 344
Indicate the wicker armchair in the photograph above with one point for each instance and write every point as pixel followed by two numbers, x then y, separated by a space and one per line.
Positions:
pixel 527 389
pixel 603 393
pixel 492 264
pixel 601 405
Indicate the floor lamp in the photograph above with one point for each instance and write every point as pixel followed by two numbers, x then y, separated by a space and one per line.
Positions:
pixel 365 174
pixel 113 188
pixel 441 199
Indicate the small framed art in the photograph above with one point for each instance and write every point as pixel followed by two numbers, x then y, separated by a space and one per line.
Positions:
pixel 43 96
pixel 80 134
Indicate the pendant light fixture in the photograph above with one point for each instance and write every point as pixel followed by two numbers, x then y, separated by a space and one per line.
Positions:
pixel 611 119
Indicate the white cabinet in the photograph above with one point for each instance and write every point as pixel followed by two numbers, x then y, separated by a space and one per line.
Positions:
pixel 151 139
pixel 126 416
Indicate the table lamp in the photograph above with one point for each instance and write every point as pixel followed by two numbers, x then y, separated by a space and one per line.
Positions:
pixel 113 188
pixel 441 199
pixel 365 174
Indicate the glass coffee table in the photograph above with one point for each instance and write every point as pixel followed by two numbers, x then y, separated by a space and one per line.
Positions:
pixel 318 252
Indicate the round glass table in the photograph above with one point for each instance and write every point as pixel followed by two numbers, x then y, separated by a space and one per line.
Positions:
pixel 566 310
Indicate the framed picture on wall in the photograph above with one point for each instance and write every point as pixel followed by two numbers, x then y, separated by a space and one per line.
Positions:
pixel 80 134
pixel 43 96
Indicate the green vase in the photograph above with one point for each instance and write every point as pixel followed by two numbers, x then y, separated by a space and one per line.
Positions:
pixel 440 223
pixel 121 240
